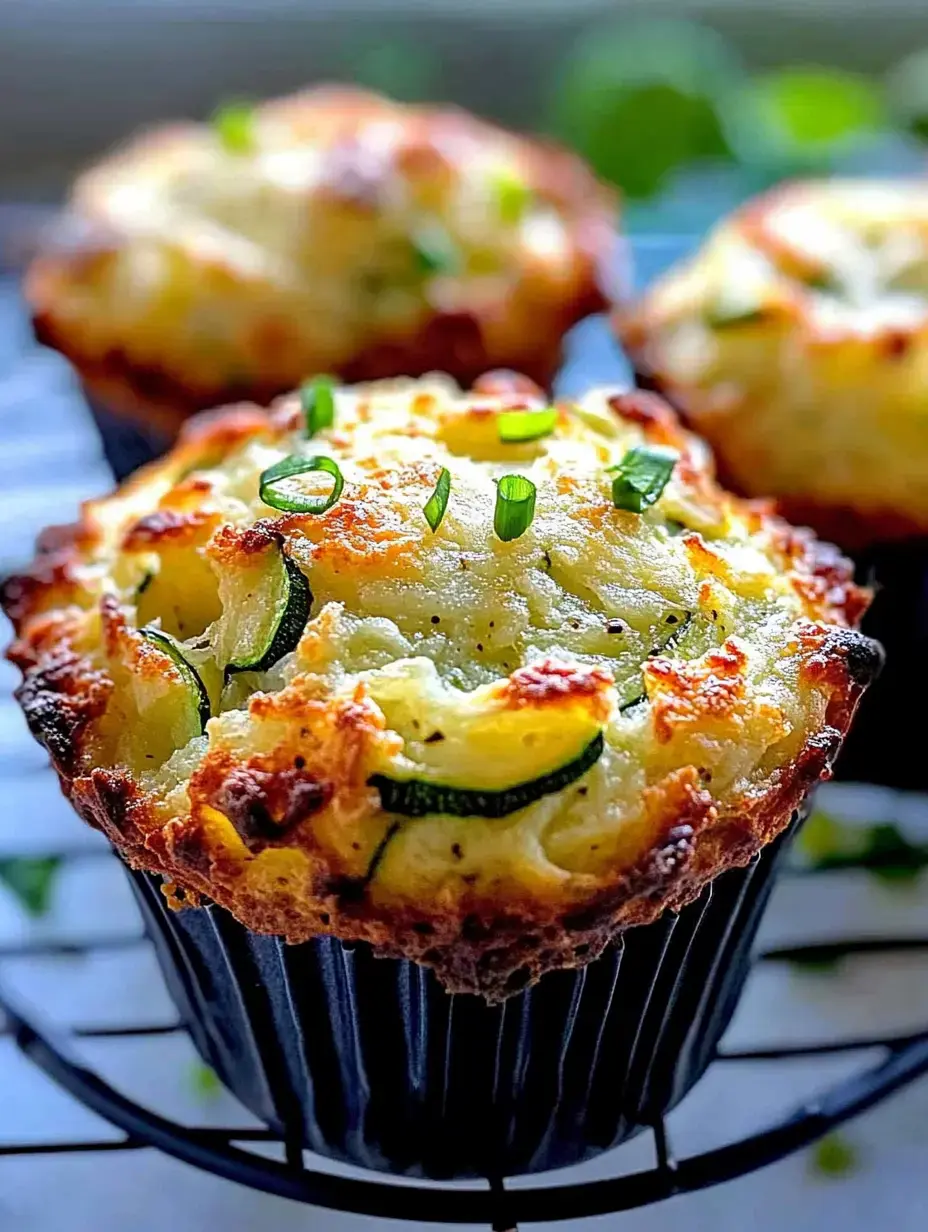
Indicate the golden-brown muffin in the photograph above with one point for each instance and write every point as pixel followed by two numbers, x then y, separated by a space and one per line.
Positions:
pixel 333 231
pixel 474 733
pixel 796 342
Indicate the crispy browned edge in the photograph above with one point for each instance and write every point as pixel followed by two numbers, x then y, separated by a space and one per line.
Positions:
pixel 450 342
pixel 485 946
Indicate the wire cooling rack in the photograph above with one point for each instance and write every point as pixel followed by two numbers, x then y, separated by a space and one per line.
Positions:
pixel 47 463
pixel 240 1153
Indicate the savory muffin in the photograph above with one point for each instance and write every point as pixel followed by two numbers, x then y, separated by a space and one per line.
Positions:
pixel 333 231
pixel 475 678
pixel 796 342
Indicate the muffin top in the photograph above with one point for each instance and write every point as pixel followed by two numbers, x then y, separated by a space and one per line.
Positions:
pixel 475 678
pixel 796 340
pixel 331 231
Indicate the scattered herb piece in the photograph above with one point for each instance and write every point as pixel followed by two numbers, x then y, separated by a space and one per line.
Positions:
pixel 299 502
pixel 513 196
pixel 234 124
pixel 317 398
pixel 434 508
pixel 641 477
pixel 516 426
pixel 434 250
pixel 515 506
pixel 834 1157
pixel 203 1082
pixel 31 881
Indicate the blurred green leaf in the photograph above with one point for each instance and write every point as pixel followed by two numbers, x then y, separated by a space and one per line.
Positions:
pixel 203 1082
pixel 834 1156
pixel 799 118
pixel 881 849
pixel 640 99
pixel 31 881
pixel 823 837
pixel 398 67
pixel 890 856
pixel 907 91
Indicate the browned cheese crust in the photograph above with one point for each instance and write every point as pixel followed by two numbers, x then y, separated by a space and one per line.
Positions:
pixel 518 652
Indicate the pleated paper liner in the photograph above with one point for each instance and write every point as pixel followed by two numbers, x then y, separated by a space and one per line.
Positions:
pixel 369 1060
pixel 886 743
pixel 127 443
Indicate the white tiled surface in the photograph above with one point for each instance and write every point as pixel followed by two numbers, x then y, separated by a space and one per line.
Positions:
pixel 144 1192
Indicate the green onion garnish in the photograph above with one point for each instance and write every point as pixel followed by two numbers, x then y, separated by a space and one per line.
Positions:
pixel 299 502
pixel 434 250
pixel 318 401
pixel 641 477
pixel 234 124
pixel 512 194
pixel 513 197
pixel 434 508
pixel 526 425
pixel 515 506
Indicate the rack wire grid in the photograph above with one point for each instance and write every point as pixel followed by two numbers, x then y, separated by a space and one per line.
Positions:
pixel 49 461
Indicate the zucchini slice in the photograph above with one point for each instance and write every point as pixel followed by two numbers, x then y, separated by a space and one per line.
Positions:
pixel 265 610
pixel 419 797
pixel 197 699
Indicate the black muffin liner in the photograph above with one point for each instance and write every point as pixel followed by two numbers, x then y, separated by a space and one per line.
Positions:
pixel 886 743
pixel 370 1061
pixel 127 445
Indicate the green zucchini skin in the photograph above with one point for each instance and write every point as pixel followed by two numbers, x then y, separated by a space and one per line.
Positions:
pixel 419 797
pixel 289 628
pixel 191 677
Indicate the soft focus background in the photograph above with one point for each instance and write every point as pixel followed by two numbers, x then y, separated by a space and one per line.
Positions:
pixel 689 107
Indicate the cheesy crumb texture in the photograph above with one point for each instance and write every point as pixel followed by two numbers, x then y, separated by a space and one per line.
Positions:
pixel 667 683
pixel 796 342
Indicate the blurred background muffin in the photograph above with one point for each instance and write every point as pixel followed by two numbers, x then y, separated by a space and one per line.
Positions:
pixel 796 341
pixel 333 231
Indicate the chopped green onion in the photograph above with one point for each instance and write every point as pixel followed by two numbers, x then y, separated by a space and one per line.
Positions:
pixel 513 196
pixel 234 124
pixel 317 398
pixel 434 508
pixel 299 502
pixel 31 879
pixel 515 506
pixel 526 425
pixel 434 250
pixel 641 477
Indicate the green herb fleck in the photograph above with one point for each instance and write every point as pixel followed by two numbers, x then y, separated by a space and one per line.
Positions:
pixel 434 508
pixel 517 426
pixel 515 507
pixel 203 1082
pixel 513 196
pixel 834 1157
pixel 641 477
pixel 31 881
pixel 234 124
pixel 289 501
pixel 434 250
pixel 317 397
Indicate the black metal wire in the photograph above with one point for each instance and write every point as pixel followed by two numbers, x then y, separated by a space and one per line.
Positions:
pixel 223 1151
pixel 215 1150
